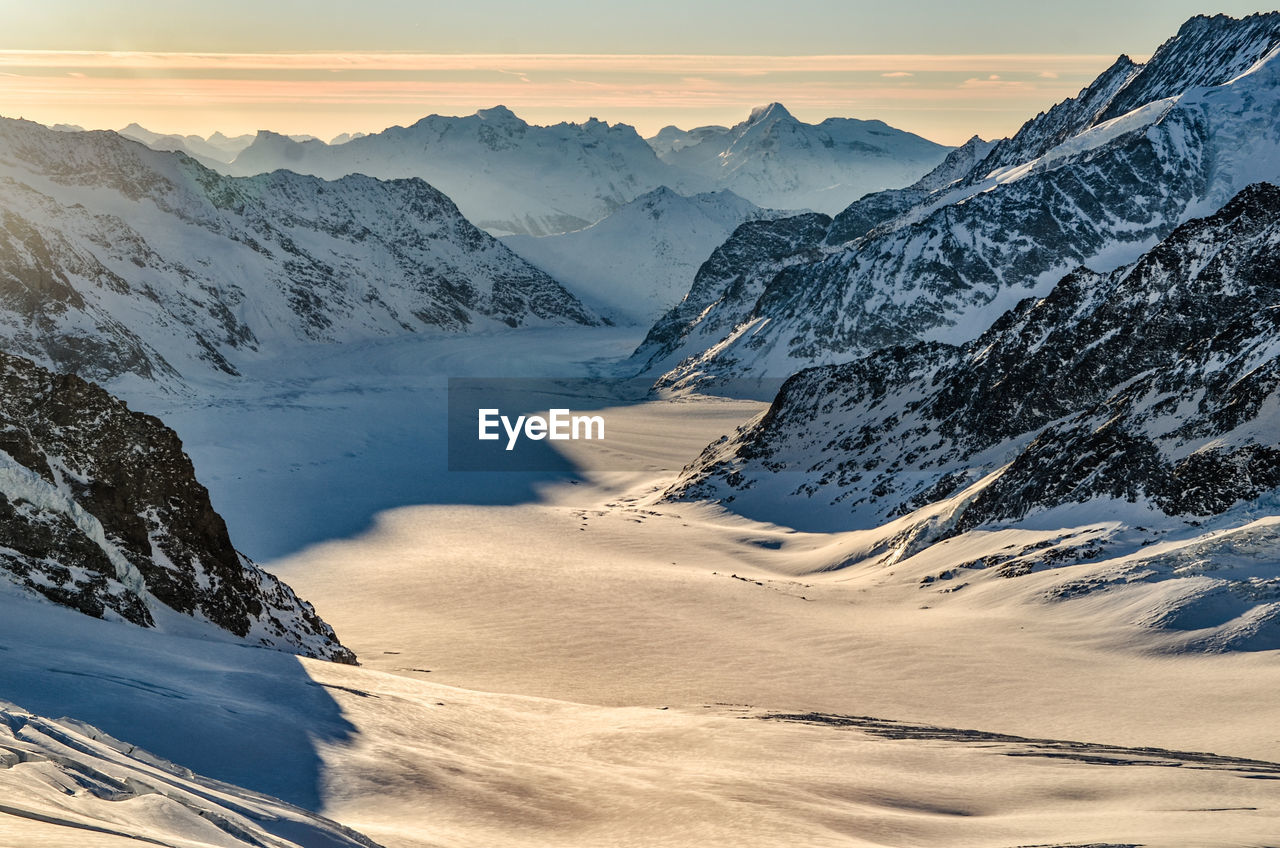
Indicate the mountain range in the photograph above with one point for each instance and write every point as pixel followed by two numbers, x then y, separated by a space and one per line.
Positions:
pixel 119 260
pixel 506 176
pixel 775 160
pixel 511 177
pixel 1097 180
pixel 216 148
pixel 1150 394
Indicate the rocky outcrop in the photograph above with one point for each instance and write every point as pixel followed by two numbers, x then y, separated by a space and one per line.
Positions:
pixel 100 511
pixel 1157 383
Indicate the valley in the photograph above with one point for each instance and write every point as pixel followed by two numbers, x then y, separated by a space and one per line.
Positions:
pixel 562 659
pixel 929 494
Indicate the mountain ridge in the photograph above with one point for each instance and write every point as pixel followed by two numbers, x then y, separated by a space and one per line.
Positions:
pixel 941 265
pixel 1144 399
pixel 116 260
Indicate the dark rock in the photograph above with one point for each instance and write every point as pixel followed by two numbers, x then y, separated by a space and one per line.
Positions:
pixel 100 510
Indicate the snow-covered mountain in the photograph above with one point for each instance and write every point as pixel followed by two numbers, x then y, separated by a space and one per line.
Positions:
pixel 215 149
pixel 100 511
pixel 116 259
pixel 511 177
pixel 726 286
pixel 1096 180
pixel 865 214
pixel 1147 394
pixel 779 162
pixel 633 265
pixel 506 176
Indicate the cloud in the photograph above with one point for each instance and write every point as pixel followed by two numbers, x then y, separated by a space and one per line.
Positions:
pixel 681 64
pixel 1048 75
pixel 296 92
pixel 994 82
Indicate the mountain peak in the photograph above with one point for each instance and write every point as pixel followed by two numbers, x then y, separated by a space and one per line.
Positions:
pixel 1207 51
pixel 772 112
pixel 498 113
pixel 271 136
pixel 662 192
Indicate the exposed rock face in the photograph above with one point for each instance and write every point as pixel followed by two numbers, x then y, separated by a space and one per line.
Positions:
pixel 1097 180
pixel 1100 426
pixel 865 214
pixel 1157 382
pixel 100 510
pixel 120 260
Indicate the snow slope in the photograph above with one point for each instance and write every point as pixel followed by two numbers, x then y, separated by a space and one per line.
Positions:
pixel 67 783
pixel 635 264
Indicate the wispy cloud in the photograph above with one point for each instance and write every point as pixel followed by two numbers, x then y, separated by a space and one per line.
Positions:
pixel 949 96
pixel 528 62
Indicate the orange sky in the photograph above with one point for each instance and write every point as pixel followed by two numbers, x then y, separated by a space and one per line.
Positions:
pixel 944 97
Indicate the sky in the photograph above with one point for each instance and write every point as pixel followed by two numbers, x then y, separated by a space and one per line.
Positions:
pixel 942 69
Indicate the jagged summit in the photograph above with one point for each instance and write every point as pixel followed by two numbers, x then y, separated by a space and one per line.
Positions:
pixel 1206 51
pixel 777 161
pixel 771 112
pixel 941 259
